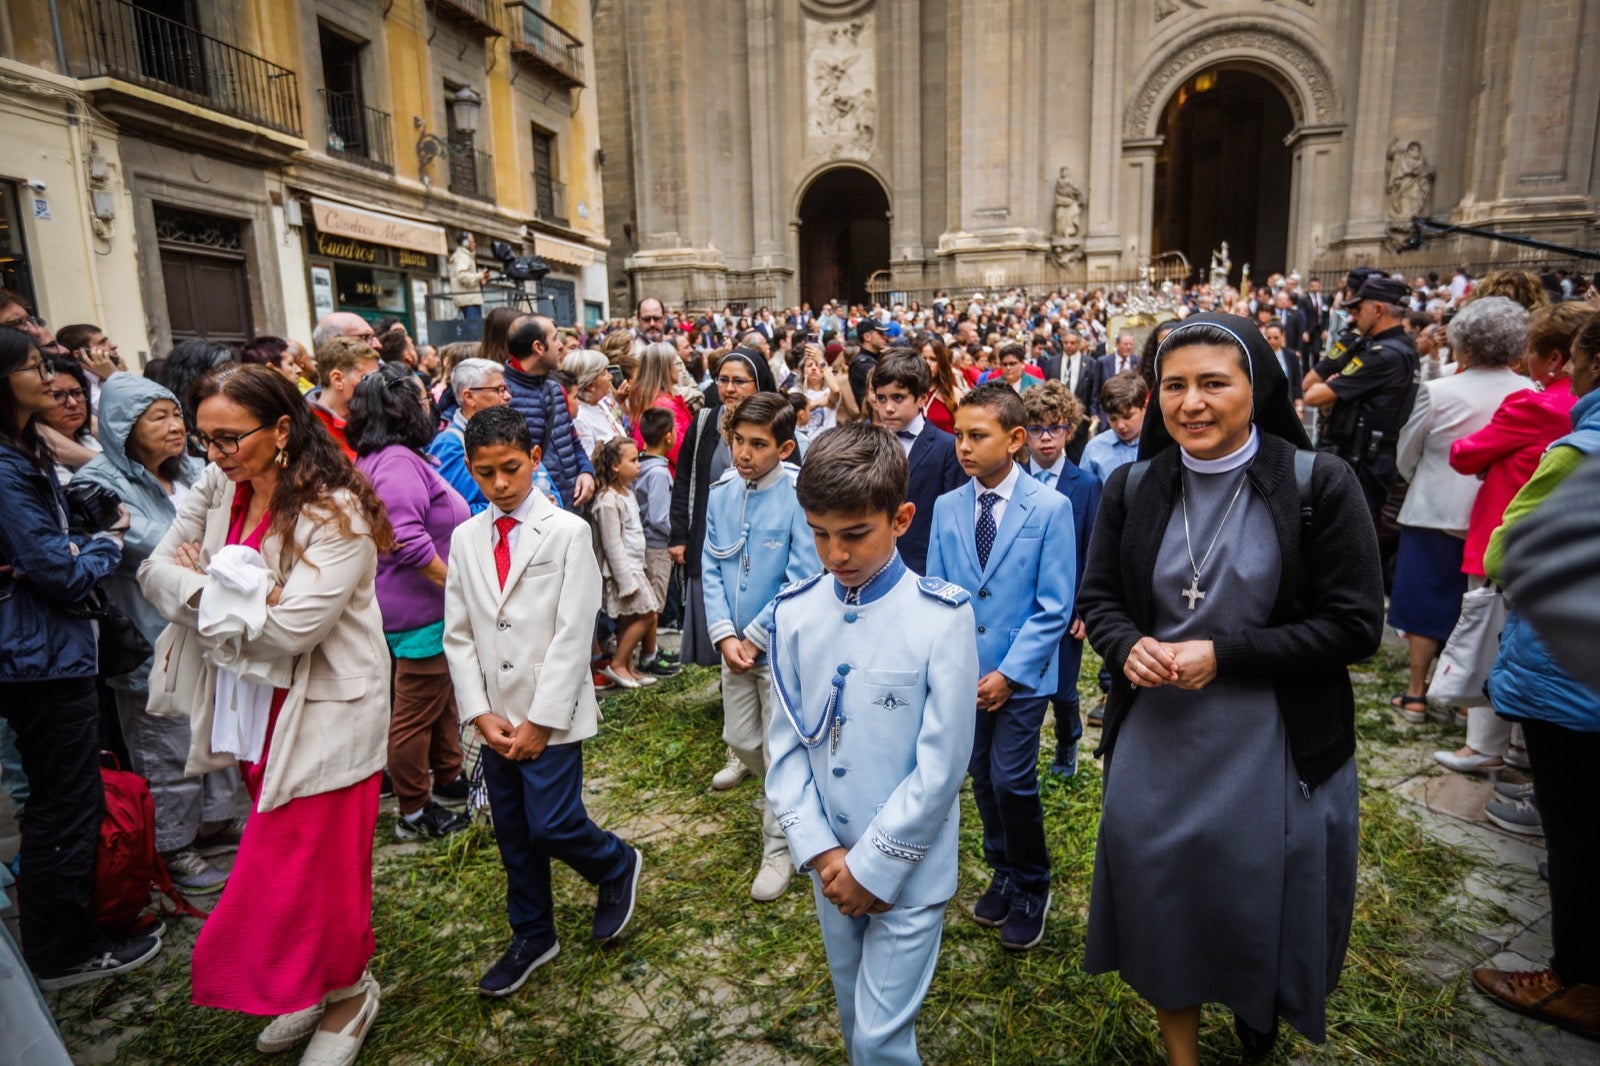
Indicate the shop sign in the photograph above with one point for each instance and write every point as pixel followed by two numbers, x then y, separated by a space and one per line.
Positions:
pixel 375 227
pixel 349 250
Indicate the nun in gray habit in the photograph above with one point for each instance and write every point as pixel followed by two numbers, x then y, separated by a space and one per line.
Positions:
pixel 1227 592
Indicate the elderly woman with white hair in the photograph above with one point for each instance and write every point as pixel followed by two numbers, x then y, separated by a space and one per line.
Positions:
pixel 1486 336
pixel 477 385
pixel 598 419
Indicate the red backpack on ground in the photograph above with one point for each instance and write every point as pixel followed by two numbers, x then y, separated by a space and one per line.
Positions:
pixel 126 863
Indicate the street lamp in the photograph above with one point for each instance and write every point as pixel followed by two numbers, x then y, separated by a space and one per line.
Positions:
pixel 464 104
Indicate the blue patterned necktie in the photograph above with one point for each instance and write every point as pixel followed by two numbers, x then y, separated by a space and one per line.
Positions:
pixel 1045 476
pixel 985 532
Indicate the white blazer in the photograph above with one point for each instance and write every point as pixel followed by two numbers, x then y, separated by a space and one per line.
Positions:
pixel 522 652
pixel 1448 409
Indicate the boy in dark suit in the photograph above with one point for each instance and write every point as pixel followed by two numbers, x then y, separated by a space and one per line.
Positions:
pixel 1052 412
pixel 1008 541
pixel 901 388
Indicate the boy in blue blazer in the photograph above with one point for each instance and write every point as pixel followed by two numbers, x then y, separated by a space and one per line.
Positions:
pixel 1008 541
pixel 873 669
pixel 901 387
pixel 1053 412
pixel 757 541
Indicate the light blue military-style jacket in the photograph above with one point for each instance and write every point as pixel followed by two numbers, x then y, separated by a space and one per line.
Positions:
pixel 757 541
pixel 1022 600
pixel 871 743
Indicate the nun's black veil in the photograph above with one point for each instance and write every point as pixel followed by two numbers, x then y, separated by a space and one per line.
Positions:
pixel 759 368
pixel 1272 412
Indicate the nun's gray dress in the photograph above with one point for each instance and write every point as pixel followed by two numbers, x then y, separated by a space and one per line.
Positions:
pixel 1216 878
pixel 695 644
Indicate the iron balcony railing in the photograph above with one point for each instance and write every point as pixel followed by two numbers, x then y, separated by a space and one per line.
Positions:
pixel 536 38
pixel 471 173
pixel 549 200
pixel 478 15
pixel 138 46
pixel 360 134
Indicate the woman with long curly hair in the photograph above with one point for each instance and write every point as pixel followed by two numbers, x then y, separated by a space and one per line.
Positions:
pixel 294 704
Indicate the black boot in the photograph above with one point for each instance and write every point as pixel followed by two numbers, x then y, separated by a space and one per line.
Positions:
pixel 1255 1045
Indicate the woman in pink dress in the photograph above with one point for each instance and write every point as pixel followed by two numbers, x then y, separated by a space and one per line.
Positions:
pixel 653 387
pixel 291 935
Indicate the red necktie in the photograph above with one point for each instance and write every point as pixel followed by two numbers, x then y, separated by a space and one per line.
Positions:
pixel 502 547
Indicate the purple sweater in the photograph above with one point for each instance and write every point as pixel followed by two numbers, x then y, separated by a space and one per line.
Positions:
pixel 424 510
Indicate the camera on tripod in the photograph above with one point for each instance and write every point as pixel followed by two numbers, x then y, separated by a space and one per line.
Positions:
pixel 518 268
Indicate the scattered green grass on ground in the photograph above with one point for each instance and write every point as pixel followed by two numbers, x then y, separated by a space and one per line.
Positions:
pixel 706 975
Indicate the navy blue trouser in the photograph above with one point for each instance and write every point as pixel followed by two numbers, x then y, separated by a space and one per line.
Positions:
pixel 1069 723
pixel 538 816
pixel 1005 784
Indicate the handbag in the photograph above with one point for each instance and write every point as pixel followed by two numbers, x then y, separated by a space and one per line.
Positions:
pixel 122 648
pixel 1469 654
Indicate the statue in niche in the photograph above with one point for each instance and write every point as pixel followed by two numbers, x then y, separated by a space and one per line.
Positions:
pixel 1066 228
pixel 1409 186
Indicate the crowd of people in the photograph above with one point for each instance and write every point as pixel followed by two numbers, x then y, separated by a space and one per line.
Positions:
pixel 892 530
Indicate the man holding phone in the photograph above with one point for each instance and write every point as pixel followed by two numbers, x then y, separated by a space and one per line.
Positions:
pixel 95 352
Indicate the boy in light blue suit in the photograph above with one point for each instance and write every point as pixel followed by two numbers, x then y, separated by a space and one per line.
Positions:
pixel 873 669
pixel 756 542
pixel 1008 540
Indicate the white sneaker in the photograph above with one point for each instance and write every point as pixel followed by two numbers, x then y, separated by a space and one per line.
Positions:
pixel 773 878
pixel 191 873
pixel 732 772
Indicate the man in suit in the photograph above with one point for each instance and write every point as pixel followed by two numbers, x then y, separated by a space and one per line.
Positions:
pixel 1288 312
pixel 1008 541
pixel 1123 359
pixel 1316 307
pixel 901 389
pixel 1274 334
pixel 1081 373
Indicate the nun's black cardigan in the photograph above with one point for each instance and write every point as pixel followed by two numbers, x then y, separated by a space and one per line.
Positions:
pixel 1328 612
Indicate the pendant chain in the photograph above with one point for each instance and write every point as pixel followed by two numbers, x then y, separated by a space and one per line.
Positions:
pixel 1188 545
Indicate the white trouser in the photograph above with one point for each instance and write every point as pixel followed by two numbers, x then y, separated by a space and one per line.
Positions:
pixel 1489 734
pixel 882 966
pixel 746 717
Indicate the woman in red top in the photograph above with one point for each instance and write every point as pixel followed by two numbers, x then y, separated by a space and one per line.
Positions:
pixel 948 385
pixel 652 387
pixel 1504 454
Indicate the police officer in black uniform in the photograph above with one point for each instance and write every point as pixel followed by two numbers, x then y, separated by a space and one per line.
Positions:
pixel 1366 389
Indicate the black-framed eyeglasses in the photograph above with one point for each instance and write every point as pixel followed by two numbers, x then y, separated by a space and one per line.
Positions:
pixel 225 443
pixel 501 389
pixel 1057 430
pixel 67 395
pixel 41 368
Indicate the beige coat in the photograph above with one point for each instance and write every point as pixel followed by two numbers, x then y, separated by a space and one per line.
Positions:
pixel 522 652
pixel 323 642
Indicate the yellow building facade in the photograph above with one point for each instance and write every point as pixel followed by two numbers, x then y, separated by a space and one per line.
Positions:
pixel 223 169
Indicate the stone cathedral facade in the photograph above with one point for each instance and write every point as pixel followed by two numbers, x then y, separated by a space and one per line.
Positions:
pixel 777 150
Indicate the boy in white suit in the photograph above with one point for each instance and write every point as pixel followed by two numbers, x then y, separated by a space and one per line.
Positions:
pixel 874 670
pixel 521 596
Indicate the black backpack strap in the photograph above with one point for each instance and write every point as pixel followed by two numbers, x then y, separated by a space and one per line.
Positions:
pixel 1305 464
pixel 1136 474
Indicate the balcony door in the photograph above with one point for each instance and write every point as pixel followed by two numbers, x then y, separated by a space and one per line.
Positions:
pixel 341 75
pixel 545 206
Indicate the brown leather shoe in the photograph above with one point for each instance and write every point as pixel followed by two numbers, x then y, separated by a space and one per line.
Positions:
pixel 1540 994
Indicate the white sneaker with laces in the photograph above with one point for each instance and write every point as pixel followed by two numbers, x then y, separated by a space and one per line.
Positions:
pixel 773 878
pixel 732 772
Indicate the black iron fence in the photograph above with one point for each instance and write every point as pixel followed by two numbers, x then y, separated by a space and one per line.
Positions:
pixel 534 36
pixel 138 46
pixel 358 133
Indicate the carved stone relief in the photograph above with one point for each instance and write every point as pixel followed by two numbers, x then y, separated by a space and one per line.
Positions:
pixel 841 87
pixel 1408 187
pixel 1066 222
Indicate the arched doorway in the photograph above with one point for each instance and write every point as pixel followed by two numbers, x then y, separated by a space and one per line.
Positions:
pixel 844 235
pixel 1223 172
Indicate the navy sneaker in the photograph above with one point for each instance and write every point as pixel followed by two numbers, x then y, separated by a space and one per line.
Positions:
pixel 453 793
pixel 659 666
pixel 118 957
pixel 614 906
pixel 1024 926
pixel 517 964
pixel 1065 763
pixel 995 903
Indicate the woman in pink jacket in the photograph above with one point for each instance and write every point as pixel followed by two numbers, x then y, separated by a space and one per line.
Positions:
pixel 1504 454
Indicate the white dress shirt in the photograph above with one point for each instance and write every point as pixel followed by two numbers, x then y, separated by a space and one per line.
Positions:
pixel 520 514
pixel 1004 489
pixel 1071 367
pixel 1054 471
pixel 913 427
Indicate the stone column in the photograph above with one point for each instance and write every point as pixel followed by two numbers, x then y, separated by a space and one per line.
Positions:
pixel 1318 153
pixel 1137 196
pixel 1372 105
pixel 1105 243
